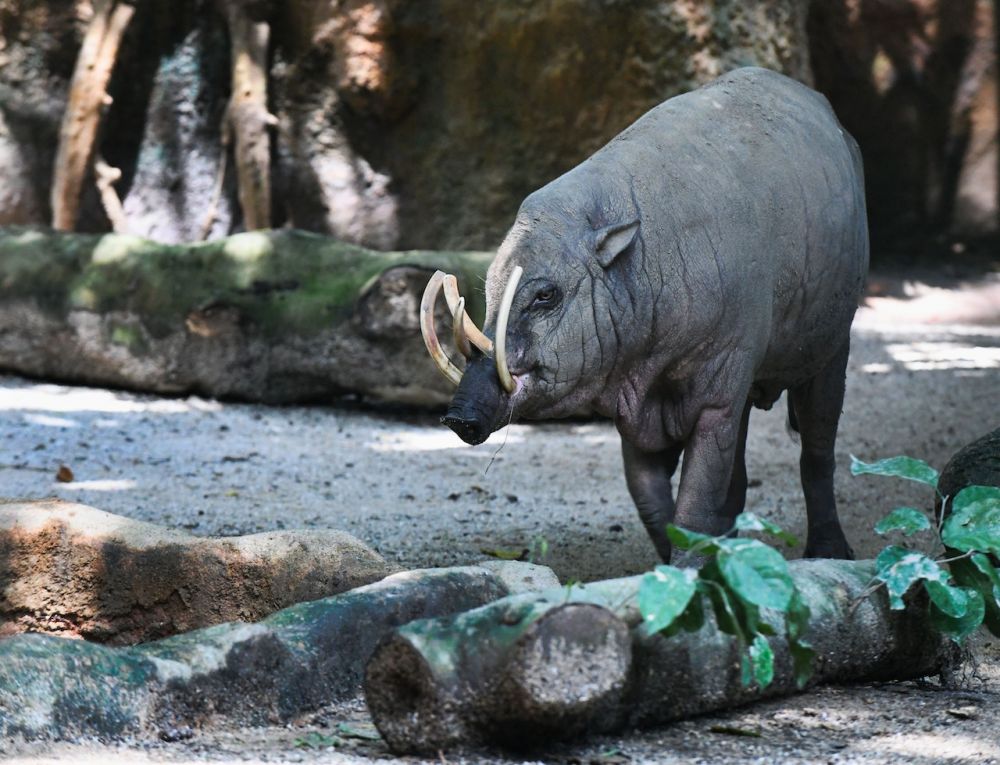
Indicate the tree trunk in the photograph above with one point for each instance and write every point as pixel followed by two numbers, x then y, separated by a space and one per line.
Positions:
pixel 555 664
pixel 276 316
pixel 88 99
pixel 248 115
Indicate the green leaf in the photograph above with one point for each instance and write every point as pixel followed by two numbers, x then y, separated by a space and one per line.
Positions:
pixel 797 622
pixel 664 594
pixel 747 521
pixel 361 731
pixel 710 584
pixel 958 628
pixel 952 601
pixel 690 620
pixel 974 523
pixel 501 554
pixel 900 569
pixel 797 617
pixel 314 740
pixel 683 539
pixel 749 616
pixel 803 656
pixel 909 520
pixel 975 493
pixel 980 574
pixel 756 573
pixel 898 467
pixel 762 661
pixel 988 570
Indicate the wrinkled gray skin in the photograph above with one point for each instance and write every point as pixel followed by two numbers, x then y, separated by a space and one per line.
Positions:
pixel 707 259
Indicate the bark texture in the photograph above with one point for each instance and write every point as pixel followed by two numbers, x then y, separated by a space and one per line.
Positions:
pixel 532 668
pixel 915 83
pixel 87 102
pixel 298 659
pixel 247 117
pixel 405 124
pixel 278 316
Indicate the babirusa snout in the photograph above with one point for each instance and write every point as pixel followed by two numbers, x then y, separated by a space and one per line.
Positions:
pixel 503 372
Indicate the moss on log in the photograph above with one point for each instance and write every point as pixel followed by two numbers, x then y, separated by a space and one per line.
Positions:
pixel 276 316
pixel 465 679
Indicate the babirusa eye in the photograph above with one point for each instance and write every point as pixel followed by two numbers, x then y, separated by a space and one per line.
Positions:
pixel 546 297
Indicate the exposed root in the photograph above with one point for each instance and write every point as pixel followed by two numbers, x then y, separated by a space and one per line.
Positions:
pixel 88 99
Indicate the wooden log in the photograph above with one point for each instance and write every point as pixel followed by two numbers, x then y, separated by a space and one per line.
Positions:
pixel 277 316
pixel 247 113
pixel 463 680
pixel 530 667
pixel 87 101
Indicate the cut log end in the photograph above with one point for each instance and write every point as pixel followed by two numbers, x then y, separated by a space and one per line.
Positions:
pixel 406 700
pixel 567 674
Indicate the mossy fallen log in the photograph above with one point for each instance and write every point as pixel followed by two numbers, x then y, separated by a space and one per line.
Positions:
pixel 297 659
pixel 276 316
pixel 520 670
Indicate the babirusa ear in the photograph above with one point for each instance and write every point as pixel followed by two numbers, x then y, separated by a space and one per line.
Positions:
pixel 611 241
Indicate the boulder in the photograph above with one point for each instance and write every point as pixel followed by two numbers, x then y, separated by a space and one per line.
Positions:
pixel 976 464
pixel 73 570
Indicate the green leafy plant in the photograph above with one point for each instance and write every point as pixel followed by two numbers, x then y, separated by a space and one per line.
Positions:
pixel 747 585
pixel 955 570
pixel 316 740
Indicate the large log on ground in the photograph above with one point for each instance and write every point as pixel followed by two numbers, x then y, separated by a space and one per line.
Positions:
pixel 553 664
pixel 275 316
pixel 297 659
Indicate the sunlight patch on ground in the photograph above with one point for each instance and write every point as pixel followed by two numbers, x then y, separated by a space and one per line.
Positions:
pixel 936 747
pixel 924 356
pixel 97 485
pixel 49 421
pixel 60 398
pixel 877 368
pixel 438 439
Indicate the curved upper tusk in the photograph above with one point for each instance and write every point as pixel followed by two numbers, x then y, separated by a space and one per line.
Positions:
pixel 458 329
pixel 476 337
pixel 448 369
pixel 500 346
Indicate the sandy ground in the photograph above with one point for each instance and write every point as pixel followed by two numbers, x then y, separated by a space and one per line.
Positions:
pixel 924 379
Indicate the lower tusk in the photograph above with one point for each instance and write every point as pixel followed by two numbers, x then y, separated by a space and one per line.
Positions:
pixel 476 337
pixel 500 346
pixel 441 359
pixel 458 329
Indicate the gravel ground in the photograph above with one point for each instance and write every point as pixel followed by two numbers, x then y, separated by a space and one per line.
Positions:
pixel 412 490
